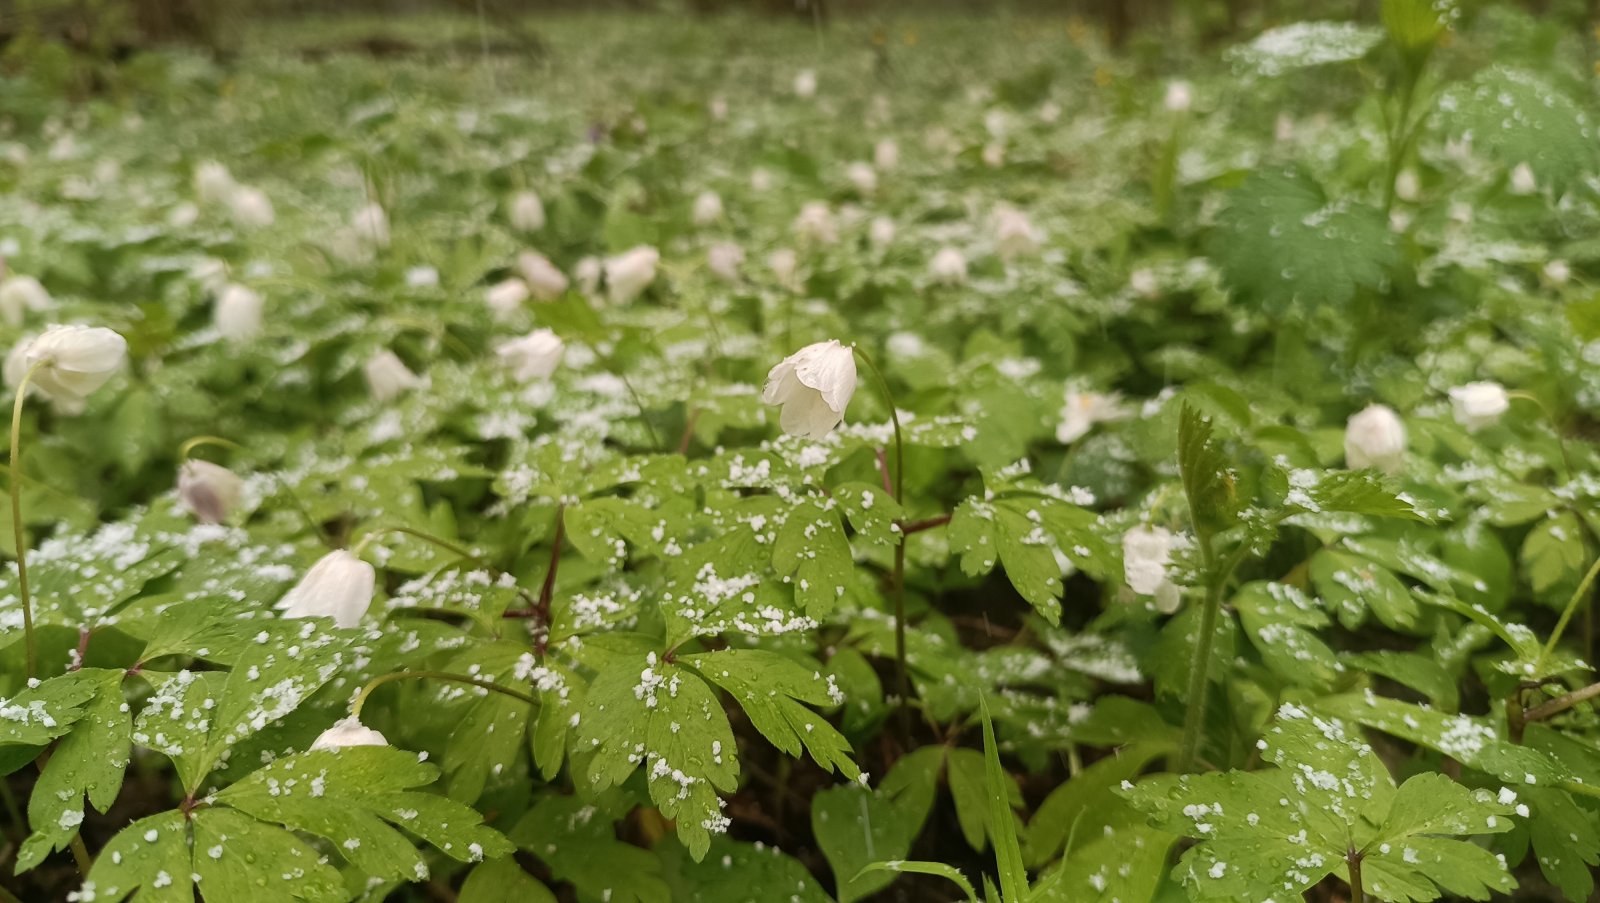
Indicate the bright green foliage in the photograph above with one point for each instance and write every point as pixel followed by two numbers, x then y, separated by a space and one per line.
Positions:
pixel 1330 801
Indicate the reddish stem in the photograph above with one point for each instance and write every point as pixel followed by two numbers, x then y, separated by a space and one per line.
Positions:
pixel 688 431
pixel 883 468
pixel 547 590
pixel 917 526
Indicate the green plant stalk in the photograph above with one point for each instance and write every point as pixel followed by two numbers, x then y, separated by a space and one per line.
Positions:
pixel 902 672
pixel 1560 704
pixel 375 683
pixel 1578 595
pixel 17 533
pixel 1357 893
pixel 1199 669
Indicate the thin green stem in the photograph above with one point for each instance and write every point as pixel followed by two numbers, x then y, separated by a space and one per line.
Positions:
pixel 1578 595
pixel 7 896
pixel 80 855
pixel 1555 427
pixel 491 686
pixel 902 672
pixel 1560 704
pixel 17 532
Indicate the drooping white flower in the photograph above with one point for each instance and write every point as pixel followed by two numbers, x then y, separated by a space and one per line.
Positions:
pixel 422 277
pixel 1146 554
pixel 213 184
pixel 1375 437
pixel 1049 112
pixel 1014 234
pixel 1407 187
pixel 718 108
pixel 347 732
pixel 208 491
pixel 784 263
pixel 1144 283
pixel 183 215
pixel 20 294
pixel 1557 272
pixel 1522 181
pixel 948 267
pixel 587 272
pixel 534 356
pixel 813 386
pixel 71 362
pixel 526 212
pixel 388 376
pixel 545 280
pixel 1083 410
pixel 886 155
pixel 760 180
pixel 370 224
pixel 994 154
pixel 863 178
pixel 628 274
pixel 506 296
pixel 250 208
pixel 881 231
pixel 1179 97
pixel 805 83
pixel 815 223
pixel 707 208
pixel 724 259
pixel 1283 128
pixel 339 586
pixel 1479 404
pixel 237 313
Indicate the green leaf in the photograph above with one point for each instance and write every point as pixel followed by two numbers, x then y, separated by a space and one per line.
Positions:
pixel 1565 841
pixel 1474 742
pixel 1280 621
pixel 965 770
pixel 237 858
pixel 89 762
pixel 919 867
pixel 872 512
pixel 503 881
pixel 149 857
pixel 737 871
pixel 1554 553
pixel 1305 44
pixel 48 709
pixel 1081 809
pixel 1002 824
pixel 812 554
pixel 1207 480
pixel 666 718
pixel 1282 242
pixel 1126 864
pixel 1418 672
pixel 176 721
pixel 855 826
pixel 1353 586
pixel 579 844
pixel 1516 116
pixel 770 688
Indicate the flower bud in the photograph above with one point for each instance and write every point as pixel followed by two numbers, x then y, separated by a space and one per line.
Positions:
pixel 526 212
pixel 863 178
pixel 784 263
pixel 1146 554
pixel 250 208
pixel 1479 404
pixel 1014 235
pixel 760 180
pixel 237 313
pixel 1179 97
pixel 1375 437
pixel 813 386
pixel 1522 181
pixel 881 232
pixel 587 272
pixel 213 184
pixel 886 155
pixel 948 267
pixel 339 586
pixel 347 732
pixel 545 280
pixel 805 84
pixel 388 376
pixel 506 296
pixel 534 356
pixel 371 226
pixel 422 277
pixel 815 223
pixel 628 274
pixel 707 208
pixel 208 491
pixel 20 294
pixel 71 362
pixel 724 259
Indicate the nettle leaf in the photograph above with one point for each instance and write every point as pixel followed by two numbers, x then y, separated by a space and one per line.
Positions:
pixel 1528 660
pixel 662 716
pixel 577 840
pixel 1305 44
pixel 812 554
pixel 354 798
pixel 1347 492
pixel 1207 480
pixel 1352 587
pixel 1554 553
pixel 1329 800
pixel 770 688
pixel 89 762
pixel 1516 116
pixel 1284 243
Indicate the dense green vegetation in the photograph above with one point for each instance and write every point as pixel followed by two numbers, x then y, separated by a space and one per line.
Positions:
pixel 723 460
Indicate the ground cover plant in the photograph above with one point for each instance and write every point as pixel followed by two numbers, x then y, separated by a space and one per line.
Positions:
pixel 730 460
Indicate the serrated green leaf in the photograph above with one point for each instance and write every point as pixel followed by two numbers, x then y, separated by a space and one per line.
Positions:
pixel 578 842
pixel 503 881
pixel 770 689
pixel 89 762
